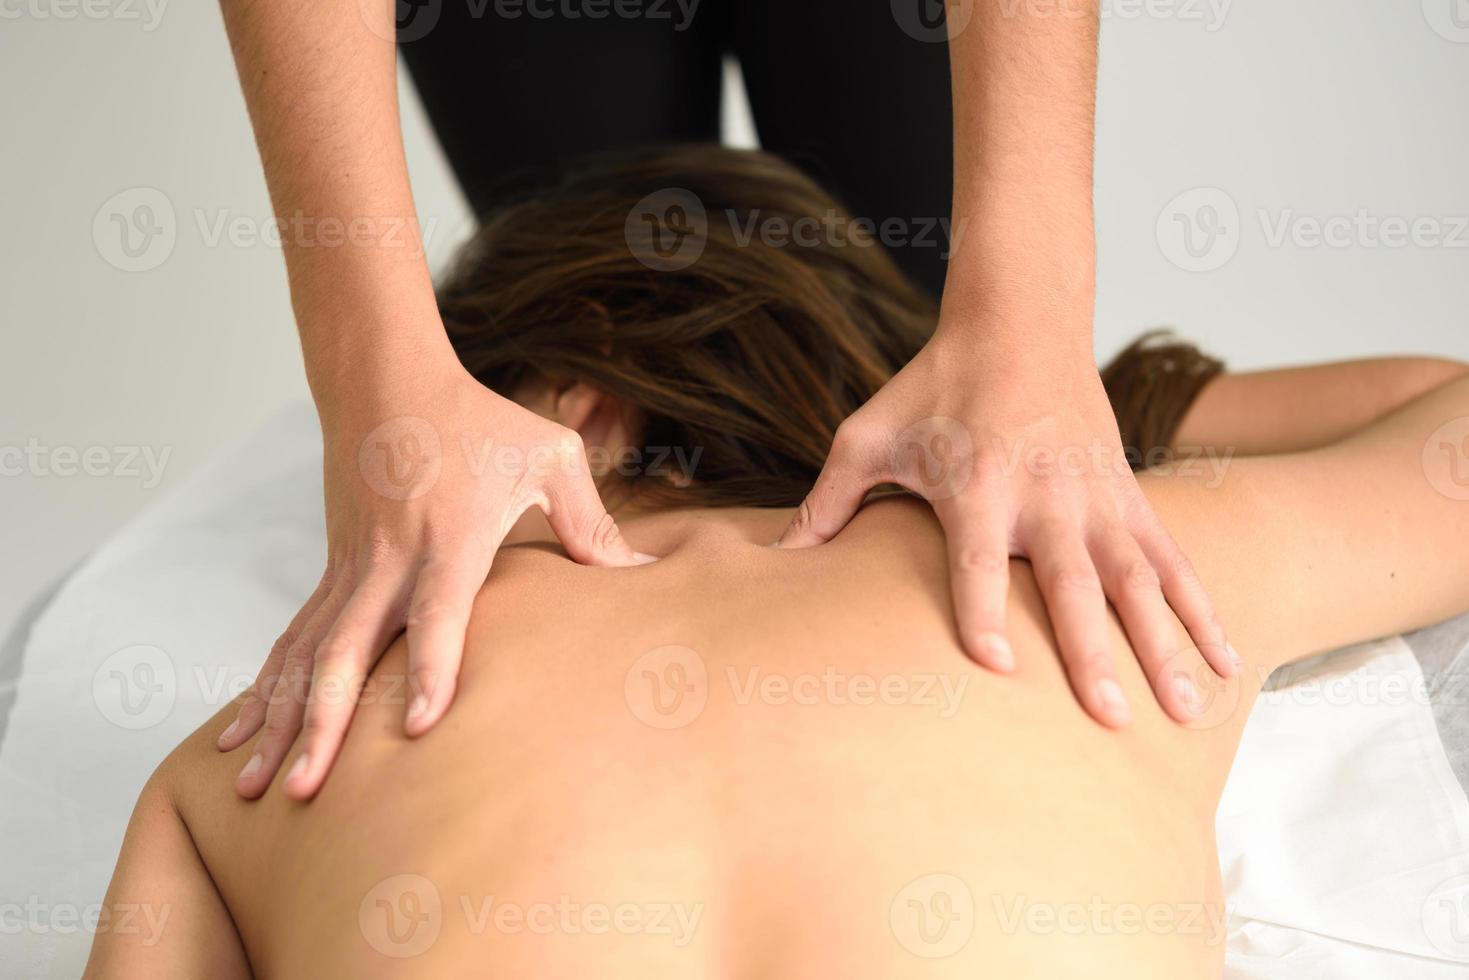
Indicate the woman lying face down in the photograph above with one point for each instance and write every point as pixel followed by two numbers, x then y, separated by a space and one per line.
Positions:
pixel 745 761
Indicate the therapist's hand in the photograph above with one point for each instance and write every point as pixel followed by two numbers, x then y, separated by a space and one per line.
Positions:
pixel 423 481
pixel 1019 454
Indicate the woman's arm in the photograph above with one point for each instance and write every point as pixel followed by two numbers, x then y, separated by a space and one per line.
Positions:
pixel 1008 375
pixel 320 82
pixel 1365 537
pixel 413 515
pixel 162 916
pixel 1292 409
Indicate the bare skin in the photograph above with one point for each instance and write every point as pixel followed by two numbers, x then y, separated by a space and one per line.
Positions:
pixel 797 830
pixel 1010 360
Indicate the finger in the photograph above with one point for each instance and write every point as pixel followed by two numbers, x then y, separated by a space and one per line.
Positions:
pixel 1132 584
pixel 1078 610
pixel 343 660
pixel 287 702
pixel 251 714
pixel 1190 601
pixel 581 523
pixel 977 531
pixel 840 488
pixel 438 616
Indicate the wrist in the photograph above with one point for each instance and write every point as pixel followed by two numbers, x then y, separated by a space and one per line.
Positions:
pixel 1019 318
pixel 364 368
pixel 370 332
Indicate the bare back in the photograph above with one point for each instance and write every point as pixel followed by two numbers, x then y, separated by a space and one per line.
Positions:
pixel 766 763
pixel 746 762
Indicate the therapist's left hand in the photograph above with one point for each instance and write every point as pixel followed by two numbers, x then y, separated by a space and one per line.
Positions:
pixel 1019 453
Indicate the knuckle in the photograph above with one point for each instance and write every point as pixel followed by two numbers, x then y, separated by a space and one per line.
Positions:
pixel 1210 623
pixel 315 725
pixel 980 561
pixel 425 612
pixel 377 551
pixel 605 534
pixel 571 442
pixel 335 651
pixel 1183 570
pixel 1090 662
pixel 1140 576
pixel 801 522
pixel 281 647
pixel 298 657
pixel 852 432
pixel 854 444
pixel 1075 578
pixel 279 726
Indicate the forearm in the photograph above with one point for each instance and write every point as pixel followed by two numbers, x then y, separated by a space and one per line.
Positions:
pixel 320 84
pixel 1294 409
pixel 1024 92
pixel 1314 550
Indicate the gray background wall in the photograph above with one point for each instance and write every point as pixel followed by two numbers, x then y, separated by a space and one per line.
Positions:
pixel 1227 131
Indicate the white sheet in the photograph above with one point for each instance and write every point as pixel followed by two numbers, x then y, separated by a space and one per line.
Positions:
pixel 1344 837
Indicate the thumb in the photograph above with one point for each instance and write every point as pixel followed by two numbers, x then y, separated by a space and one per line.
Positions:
pixel 834 500
pixel 579 520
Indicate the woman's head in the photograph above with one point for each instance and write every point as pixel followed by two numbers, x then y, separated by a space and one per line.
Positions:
pixel 645 277
pixel 640 291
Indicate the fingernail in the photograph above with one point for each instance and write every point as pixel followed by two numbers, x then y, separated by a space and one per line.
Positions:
pixel 298 767
pixel 643 559
pixel 1234 657
pixel 996 650
pixel 417 706
pixel 1187 693
pixel 252 767
pixel 1113 701
pixel 224 735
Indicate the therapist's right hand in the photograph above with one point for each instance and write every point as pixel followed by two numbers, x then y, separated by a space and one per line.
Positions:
pixel 424 476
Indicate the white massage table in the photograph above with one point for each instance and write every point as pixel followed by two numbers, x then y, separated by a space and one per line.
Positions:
pixel 1344 830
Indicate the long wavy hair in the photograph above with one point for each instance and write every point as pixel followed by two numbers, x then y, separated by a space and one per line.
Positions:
pixel 645 275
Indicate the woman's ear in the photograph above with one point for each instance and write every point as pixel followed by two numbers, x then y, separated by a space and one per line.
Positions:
pixel 576 403
pixel 597 417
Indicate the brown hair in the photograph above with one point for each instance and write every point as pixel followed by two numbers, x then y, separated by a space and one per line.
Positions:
pixel 637 274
